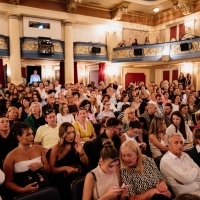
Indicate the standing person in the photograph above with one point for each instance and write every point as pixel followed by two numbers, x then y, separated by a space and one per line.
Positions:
pixel 182 79
pixel 34 77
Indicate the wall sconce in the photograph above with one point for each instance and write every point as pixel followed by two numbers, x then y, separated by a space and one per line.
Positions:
pixel 8 71
pixel 187 68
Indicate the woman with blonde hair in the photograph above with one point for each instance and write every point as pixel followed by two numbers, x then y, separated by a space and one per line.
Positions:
pixel 94 104
pixel 141 173
pixel 197 119
pixel 35 118
pixel 63 115
pixel 12 114
pixel 129 115
pixel 157 137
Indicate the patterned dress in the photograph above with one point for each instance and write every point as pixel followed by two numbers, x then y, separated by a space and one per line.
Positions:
pixel 142 182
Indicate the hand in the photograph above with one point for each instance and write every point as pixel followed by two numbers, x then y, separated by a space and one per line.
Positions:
pixel 35 166
pixel 71 170
pixel 162 187
pixel 79 147
pixel 113 193
pixel 167 194
pixel 31 187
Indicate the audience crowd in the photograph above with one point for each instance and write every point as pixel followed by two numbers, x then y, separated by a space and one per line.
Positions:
pixel 140 142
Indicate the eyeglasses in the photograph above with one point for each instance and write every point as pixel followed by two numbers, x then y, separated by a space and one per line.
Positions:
pixel 48 111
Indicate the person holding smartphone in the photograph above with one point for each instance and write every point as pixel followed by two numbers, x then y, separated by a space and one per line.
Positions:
pixel 104 181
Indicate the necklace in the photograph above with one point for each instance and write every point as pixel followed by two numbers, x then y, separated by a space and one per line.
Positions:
pixel 29 146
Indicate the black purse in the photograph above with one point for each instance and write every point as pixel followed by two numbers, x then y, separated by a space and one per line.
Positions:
pixel 37 176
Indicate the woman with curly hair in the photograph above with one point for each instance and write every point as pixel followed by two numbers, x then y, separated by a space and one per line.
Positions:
pixel 67 160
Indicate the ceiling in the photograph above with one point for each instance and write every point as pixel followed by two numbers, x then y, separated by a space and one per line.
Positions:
pixel 142 6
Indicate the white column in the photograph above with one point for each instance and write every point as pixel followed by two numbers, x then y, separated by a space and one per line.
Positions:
pixel 15 56
pixel 69 53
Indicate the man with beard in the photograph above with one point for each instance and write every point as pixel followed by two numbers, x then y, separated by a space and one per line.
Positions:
pixel 167 114
pixel 159 105
pixel 112 131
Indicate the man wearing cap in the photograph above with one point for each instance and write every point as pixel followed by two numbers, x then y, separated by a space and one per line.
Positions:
pixel 112 131
pixel 178 169
pixel 47 135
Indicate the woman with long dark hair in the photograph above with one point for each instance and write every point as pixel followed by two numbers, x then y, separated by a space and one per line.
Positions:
pixel 178 126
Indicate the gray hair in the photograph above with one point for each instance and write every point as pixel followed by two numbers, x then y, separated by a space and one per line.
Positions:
pixel 171 135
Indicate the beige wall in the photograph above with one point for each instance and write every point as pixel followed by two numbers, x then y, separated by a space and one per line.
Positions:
pixel 162 35
pixel 54 32
pixel 134 34
pixel 3 24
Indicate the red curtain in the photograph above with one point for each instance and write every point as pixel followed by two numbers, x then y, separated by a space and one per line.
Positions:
pixel 181 30
pixel 75 73
pixel 134 77
pixel 174 74
pixel 166 75
pixel 102 67
pixel 23 70
pixel 62 73
pixel 173 32
pixel 2 73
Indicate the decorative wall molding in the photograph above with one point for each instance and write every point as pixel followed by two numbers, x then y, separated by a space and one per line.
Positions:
pixel 29 49
pixel 4 46
pixel 83 51
pixel 186 6
pixel 15 2
pixel 118 11
pixel 13 15
pixel 72 5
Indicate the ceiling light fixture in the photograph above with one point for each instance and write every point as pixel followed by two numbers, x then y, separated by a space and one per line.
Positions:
pixel 156 10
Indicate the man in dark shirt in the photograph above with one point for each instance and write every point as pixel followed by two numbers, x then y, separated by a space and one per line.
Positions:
pixel 167 116
pixel 112 131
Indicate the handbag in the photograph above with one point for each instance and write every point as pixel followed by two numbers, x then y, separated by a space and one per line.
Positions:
pixel 36 176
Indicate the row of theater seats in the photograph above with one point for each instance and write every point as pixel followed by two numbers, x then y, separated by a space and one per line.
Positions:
pixel 51 193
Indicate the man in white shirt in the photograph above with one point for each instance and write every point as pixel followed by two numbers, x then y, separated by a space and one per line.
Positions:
pixel 34 77
pixel 42 90
pixel 178 169
pixel 57 86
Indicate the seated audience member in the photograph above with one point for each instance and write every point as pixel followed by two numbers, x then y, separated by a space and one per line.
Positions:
pixel 121 114
pixel 178 169
pixel 37 98
pixel 76 96
pixel 178 126
pixel 5 140
pixel 135 43
pixel 176 101
pixel 134 133
pixel 2 178
pixel 105 178
pixel 141 173
pixel 106 97
pixel 94 104
pixel 25 109
pixel 185 196
pixel 146 41
pixel 159 105
pixel 123 101
pixel 142 108
pixel 187 117
pixel 194 153
pixel 63 115
pixel 84 128
pixel 122 44
pixel 25 160
pixel 146 118
pixel 47 135
pixel 73 109
pixel 167 114
pixel 192 108
pixel 12 115
pixel 67 160
pixel 105 112
pixel 51 103
pixel 157 137
pixel 90 116
pixel 197 119
pixel 35 118
pixel 166 97
pixel 61 98
pixel 103 124
pixel 129 115
pixel 113 128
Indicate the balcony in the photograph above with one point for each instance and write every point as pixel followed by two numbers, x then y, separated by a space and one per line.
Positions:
pixel 4 46
pixel 169 51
